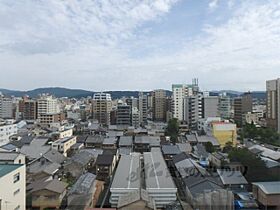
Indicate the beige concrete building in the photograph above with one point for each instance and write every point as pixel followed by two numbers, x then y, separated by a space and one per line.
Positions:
pixel 242 105
pixel 64 144
pixel 12 184
pixel 159 105
pixel 101 107
pixel 273 104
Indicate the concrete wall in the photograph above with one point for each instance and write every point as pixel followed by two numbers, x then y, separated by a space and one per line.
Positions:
pixel 12 194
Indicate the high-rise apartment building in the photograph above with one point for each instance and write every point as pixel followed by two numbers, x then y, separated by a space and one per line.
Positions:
pixel 101 107
pixel 123 114
pixel 193 110
pixel 159 105
pixel 180 91
pixel 224 106
pixel 210 106
pixel 135 117
pixel 273 104
pixel 242 105
pixel 142 107
pixel 28 109
pixel 6 108
pixel 132 102
pixel 47 104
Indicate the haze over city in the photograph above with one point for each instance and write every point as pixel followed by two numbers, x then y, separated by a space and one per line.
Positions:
pixel 139 45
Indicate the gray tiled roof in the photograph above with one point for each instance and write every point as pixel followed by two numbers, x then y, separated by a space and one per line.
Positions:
pixel 170 149
pixel 231 177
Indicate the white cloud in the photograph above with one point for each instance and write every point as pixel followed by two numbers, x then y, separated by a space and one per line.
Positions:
pixel 82 45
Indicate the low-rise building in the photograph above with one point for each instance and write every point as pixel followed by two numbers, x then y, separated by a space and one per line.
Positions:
pixel 82 193
pixel 224 132
pixel 109 143
pixel 12 184
pixel 64 144
pixel 47 194
pixel 11 158
pixel 105 164
pixel 94 141
pixel 159 186
pixel 7 129
pixel 267 194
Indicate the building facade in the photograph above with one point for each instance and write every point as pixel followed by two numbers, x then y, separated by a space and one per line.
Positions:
pixel 193 110
pixel 159 105
pixel 142 107
pixel 7 129
pixel 12 180
pixel 123 114
pixel 273 104
pixel 6 108
pixel 242 105
pixel 224 106
pixel 180 91
pixel 101 107
pixel 210 106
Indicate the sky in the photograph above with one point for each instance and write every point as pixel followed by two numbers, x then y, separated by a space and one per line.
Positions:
pixel 103 45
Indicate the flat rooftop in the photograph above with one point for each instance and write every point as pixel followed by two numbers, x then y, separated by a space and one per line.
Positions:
pixel 127 176
pixel 8 168
pixel 157 173
pixel 63 140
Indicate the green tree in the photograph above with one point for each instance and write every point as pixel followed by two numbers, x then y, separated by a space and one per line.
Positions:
pixel 255 167
pixel 172 130
pixel 228 147
pixel 209 147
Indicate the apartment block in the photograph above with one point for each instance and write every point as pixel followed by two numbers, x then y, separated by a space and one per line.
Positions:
pixel 12 182
pixel 159 105
pixel 101 107
pixel 242 105
pixel 6 108
pixel 273 104
pixel 193 110
pixel 7 129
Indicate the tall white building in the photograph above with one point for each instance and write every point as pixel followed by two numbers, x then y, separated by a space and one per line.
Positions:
pixel 143 107
pixel 12 190
pixel 101 107
pixel 47 105
pixel 6 108
pixel 180 91
pixel 135 117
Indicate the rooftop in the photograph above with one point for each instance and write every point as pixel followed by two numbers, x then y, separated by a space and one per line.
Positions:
pixel 231 177
pixel 206 138
pixel 125 141
pixel 110 140
pixel 157 173
pixel 8 156
pixel 127 175
pixel 170 149
pixel 269 187
pixel 64 140
pixel 265 152
pixel 104 159
pixel 7 168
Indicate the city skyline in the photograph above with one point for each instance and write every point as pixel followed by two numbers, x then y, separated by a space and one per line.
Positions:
pixel 139 45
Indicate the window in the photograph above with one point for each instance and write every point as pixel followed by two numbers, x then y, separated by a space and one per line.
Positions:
pixel 17 191
pixel 16 177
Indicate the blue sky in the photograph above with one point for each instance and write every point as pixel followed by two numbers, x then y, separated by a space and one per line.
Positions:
pixel 139 44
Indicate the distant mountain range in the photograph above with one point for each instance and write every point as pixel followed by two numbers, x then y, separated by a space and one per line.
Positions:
pixel 79 93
